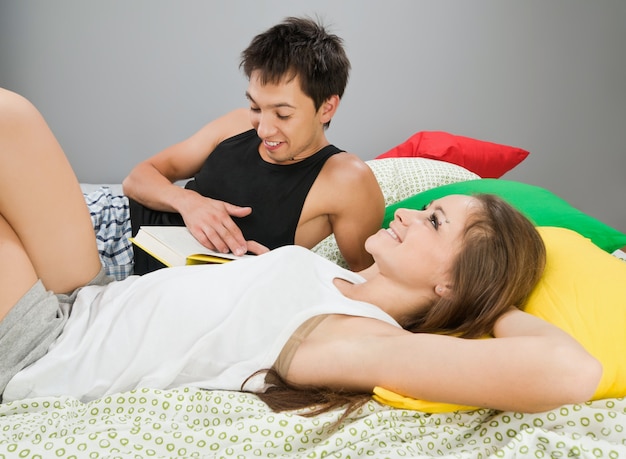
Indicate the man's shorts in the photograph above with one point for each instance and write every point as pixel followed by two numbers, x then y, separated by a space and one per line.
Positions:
pixel 110 216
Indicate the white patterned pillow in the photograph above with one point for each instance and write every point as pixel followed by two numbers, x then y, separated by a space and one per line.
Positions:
pixel 401 178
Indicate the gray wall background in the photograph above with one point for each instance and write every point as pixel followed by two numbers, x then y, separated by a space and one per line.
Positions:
pixel 120 80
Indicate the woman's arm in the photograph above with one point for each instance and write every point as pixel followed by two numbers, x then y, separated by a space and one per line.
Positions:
pixel 530 366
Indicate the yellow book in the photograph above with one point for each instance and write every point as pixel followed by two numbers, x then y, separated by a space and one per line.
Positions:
pixel 175 246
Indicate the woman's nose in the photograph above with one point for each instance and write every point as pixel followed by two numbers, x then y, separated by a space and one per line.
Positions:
pixel 405 215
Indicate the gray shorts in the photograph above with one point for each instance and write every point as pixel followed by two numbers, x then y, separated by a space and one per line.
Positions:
pixel 32 325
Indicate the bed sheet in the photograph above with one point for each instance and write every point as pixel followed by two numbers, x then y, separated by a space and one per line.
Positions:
pixel 197 423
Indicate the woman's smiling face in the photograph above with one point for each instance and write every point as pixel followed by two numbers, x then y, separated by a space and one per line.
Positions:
pixel 419 246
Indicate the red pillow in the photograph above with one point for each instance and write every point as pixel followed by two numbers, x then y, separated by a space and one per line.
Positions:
pixel 487 159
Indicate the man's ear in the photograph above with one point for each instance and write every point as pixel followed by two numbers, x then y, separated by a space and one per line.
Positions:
pixel 328 109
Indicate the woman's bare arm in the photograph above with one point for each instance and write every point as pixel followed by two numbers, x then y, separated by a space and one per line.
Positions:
pixel 530 366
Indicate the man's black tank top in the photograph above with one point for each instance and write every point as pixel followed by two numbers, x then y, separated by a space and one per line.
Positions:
pixel 235 172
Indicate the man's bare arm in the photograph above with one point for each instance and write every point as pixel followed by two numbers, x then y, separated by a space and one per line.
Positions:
pixel 152 183
pixel 358 206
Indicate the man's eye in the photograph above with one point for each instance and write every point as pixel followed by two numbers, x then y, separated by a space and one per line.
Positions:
pixel 283 117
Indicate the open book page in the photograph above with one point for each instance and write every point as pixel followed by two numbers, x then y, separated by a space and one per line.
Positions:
pixel 175 246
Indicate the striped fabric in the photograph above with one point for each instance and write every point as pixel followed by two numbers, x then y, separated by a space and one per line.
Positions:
pixel 110 217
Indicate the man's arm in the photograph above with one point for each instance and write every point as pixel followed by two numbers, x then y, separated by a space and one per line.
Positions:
pixel 357 206
pixel 152 183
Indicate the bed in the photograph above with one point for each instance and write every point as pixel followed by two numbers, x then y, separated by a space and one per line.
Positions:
pixel 191 422
pixel 197 423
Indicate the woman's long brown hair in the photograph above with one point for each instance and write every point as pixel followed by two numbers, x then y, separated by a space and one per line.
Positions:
pixel 502 259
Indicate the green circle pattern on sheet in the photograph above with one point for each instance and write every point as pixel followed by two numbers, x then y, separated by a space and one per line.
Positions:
pixel 187 422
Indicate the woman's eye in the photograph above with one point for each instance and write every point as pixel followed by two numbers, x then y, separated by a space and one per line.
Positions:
pixel 434 221
pixel 283 117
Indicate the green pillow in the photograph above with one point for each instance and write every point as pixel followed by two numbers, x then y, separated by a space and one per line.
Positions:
pixel 541 206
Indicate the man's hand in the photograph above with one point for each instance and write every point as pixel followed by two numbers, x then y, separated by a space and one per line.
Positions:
pixel 210 222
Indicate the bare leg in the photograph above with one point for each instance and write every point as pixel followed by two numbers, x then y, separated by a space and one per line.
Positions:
pixel 45 229
pixel 17 273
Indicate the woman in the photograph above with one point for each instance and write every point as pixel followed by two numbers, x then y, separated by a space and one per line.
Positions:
pixel 460 267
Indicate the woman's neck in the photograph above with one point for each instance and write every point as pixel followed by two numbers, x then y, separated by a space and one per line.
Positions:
pixel 369 273
pixel 398 301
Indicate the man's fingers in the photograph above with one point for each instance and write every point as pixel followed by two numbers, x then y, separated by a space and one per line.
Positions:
pixel 225 239
pixel 210 238
pixel 237 211
pixel 256 248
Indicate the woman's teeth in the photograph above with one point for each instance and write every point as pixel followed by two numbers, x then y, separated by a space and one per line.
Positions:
pixel 393 234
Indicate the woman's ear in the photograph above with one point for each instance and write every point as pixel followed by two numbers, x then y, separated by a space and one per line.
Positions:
pixel 328 109
pixel 442 290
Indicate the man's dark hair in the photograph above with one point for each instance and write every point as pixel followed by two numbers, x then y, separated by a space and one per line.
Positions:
pixel 299 47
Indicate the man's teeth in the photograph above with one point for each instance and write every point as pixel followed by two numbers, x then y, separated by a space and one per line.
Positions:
pixel 271 144
pixel 392 234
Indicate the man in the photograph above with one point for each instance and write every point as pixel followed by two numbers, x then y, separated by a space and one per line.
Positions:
pixel 267 176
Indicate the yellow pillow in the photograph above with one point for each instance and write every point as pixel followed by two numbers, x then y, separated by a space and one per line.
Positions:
pixel 583 291
pixel 396 400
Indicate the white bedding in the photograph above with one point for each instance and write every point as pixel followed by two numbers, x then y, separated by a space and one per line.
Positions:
pixel 116 188
pixel 196 423
pixel 207 424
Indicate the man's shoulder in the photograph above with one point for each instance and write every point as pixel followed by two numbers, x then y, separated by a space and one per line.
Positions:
pixel 347 181
pixel 227 126
pixel 346 166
